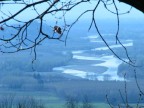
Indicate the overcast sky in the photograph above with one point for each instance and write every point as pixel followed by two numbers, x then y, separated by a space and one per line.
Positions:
pixel 101 12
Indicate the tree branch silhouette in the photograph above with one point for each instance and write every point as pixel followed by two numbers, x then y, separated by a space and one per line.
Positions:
pixel 54 7
pixel 137 4
pixel 20 40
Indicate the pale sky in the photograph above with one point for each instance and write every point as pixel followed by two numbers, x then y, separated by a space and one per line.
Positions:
pixel 101 12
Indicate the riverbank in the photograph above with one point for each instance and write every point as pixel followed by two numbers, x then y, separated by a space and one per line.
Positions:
pixel 94 67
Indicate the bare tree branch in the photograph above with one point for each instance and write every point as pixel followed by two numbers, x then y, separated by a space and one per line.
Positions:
pixel 137 4
pixel 54 7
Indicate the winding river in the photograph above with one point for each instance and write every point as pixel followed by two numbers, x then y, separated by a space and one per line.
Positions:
pixel 108 61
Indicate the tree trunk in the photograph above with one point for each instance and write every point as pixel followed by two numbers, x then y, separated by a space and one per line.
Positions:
pixel 138 4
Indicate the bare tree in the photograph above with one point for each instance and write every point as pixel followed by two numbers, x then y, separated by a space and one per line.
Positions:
pixel 71 102
pixel 86 103
pixel 29 102
pixel 7 101
pixel 20 39
pixel 10 101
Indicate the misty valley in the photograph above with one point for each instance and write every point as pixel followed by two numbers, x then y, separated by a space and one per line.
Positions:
pixel 84 67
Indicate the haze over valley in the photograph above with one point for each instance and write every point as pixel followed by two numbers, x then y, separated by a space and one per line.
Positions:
pixel 83 66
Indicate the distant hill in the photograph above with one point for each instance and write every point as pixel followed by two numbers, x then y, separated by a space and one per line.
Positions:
pixel 32 30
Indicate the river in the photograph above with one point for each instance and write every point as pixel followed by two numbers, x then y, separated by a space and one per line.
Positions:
pixel 108 61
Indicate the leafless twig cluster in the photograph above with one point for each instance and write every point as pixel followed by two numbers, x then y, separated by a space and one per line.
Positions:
pixel 124 95
pixel 20 39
